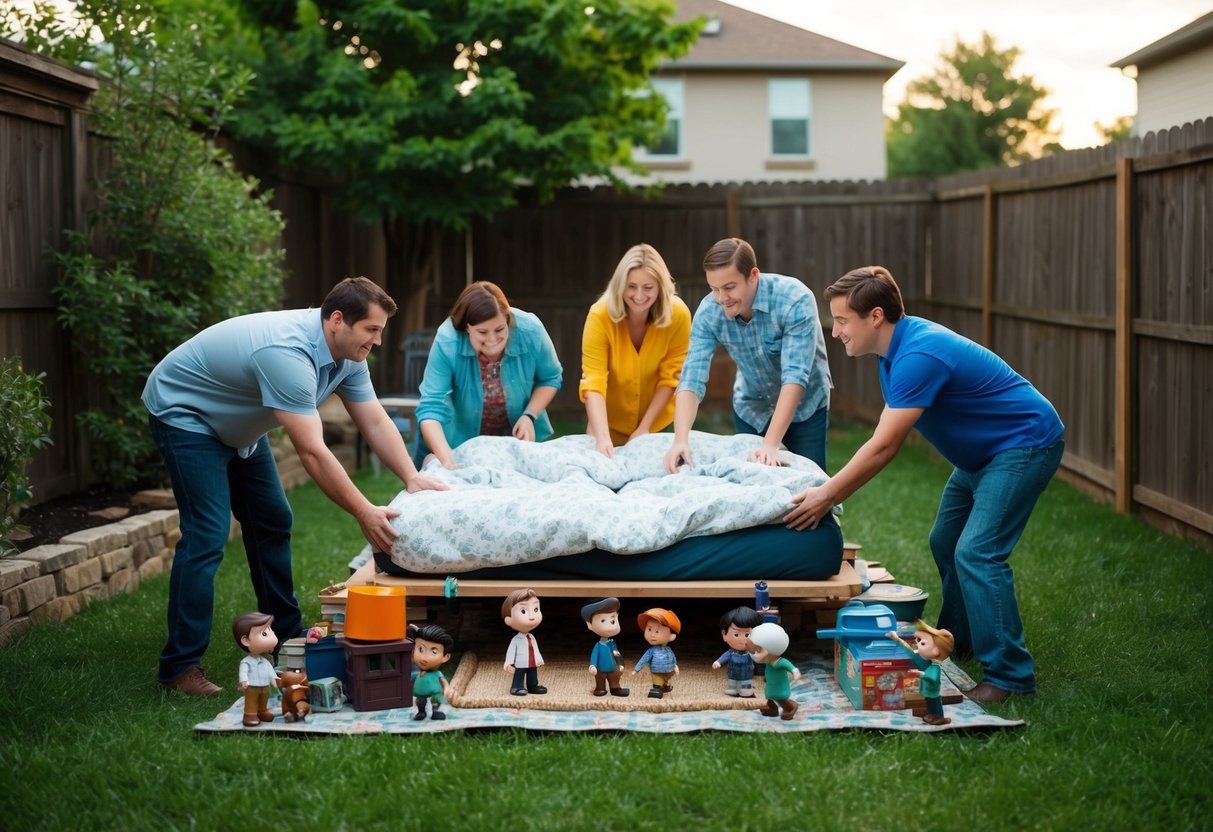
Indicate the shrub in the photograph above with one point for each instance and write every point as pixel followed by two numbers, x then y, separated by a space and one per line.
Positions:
pixel 25 425
pixel 178 239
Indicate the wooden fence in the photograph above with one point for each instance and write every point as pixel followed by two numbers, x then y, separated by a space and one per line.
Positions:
pixel 1091 272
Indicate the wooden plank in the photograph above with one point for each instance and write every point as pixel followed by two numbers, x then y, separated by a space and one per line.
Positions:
pixel 1123 408
pixel 1167 331
pixel 842 586
pixel 989 224
pixel 1174 508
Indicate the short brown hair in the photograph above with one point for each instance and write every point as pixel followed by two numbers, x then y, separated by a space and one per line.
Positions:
pixel 479 302
pixel 731 251
pixel 246 623
pixel 515 597
pixel 867 288
pixel 353 297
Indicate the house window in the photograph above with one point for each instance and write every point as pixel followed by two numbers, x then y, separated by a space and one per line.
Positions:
pixel 789 104
pixel 670 143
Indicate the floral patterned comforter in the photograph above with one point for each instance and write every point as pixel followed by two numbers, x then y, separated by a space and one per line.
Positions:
pixel 518 502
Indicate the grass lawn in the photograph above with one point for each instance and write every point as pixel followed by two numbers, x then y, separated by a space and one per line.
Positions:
pixel 1118 615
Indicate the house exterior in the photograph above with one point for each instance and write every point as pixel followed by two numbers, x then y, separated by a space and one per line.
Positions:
pixel 757 99
pixel 1174 78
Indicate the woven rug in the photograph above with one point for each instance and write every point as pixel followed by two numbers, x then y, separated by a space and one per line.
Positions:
pixel 823 706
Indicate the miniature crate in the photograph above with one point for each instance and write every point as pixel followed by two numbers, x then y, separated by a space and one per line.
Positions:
pixel 326 695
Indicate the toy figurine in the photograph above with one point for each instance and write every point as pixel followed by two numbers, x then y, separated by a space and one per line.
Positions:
pixel 660 628
pixel 770 642
pixel 521 612
pixel 431 650
pixel 932 646
pixel 253 633
pixel 735 627
pixel 602 619
pixel 294 686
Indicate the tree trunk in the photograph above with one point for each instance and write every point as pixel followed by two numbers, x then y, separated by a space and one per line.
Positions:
pixel 414 262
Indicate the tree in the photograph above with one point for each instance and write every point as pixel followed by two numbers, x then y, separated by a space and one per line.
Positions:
pixel 178 239
pixel 432 113
pixel 1120 129
pixel 973 112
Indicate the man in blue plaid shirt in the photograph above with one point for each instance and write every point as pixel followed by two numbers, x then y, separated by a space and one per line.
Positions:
pixel 769 326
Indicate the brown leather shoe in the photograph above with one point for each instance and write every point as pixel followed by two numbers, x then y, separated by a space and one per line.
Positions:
pixel 193 682
pixel 985 692
pixel 932 719
pixel 789 710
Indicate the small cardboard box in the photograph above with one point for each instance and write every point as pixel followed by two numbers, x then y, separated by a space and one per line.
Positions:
pixel 873 675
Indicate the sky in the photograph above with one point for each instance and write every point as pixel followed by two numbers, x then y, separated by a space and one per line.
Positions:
pixel 1065 44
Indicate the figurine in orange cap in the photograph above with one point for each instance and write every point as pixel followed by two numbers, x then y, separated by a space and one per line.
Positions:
pixel 660 628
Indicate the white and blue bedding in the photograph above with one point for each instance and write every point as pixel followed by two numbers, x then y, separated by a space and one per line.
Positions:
pixel 518 502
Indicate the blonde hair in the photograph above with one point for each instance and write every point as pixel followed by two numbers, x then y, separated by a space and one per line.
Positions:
pixel 642 256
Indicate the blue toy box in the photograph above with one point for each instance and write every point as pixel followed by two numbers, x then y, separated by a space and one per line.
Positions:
pixel 870 667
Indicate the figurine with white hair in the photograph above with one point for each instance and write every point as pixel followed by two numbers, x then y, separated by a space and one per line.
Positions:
pixel 770 642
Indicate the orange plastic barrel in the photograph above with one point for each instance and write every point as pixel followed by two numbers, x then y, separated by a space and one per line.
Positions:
pixel 375 613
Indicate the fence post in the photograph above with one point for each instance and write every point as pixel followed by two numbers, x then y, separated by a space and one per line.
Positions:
pixel 989 222
pixel 732 210
pixel 1124 451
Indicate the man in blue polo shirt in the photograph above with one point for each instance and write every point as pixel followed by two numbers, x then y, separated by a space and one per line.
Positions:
pixel 768 324
pixel 211 402
pixel 1003 437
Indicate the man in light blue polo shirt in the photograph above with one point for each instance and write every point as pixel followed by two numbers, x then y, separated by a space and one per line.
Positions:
pixel 1003 437
pixel 211 402
pixel 769 326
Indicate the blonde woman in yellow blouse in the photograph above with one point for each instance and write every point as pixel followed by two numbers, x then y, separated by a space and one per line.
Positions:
pixel 632 349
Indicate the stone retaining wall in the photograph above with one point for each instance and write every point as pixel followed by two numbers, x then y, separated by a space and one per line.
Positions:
pixel 55 581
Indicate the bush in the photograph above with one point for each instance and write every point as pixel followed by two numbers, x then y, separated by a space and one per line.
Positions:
pixel 179 239
pixel 25 425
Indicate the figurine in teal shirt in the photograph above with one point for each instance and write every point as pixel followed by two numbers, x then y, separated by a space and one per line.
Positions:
pixel 931 646
pixel 431 650
pixel 770 643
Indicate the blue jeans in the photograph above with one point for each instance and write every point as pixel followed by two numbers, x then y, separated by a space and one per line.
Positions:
pixel 806 438
pixel 981 517
pixel 211 482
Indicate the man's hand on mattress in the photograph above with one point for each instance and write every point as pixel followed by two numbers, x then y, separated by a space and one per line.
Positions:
pixel 376 523
pixel 424 482
pixel 810 506
pixel 677 456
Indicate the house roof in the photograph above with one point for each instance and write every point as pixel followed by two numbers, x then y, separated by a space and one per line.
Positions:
pixel 1196 34
pixel 746 40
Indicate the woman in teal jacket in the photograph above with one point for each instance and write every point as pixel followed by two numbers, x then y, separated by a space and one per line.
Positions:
pixel 492 371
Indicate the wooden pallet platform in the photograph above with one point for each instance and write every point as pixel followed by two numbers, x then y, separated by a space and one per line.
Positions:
pixel 837 589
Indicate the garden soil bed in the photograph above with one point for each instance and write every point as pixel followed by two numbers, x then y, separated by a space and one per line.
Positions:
pixel 49 521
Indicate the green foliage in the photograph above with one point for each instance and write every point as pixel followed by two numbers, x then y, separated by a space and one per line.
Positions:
pixel 178 239
pixel 25 424
pixel 440 111
pixel 1120 129
pixel 972 113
